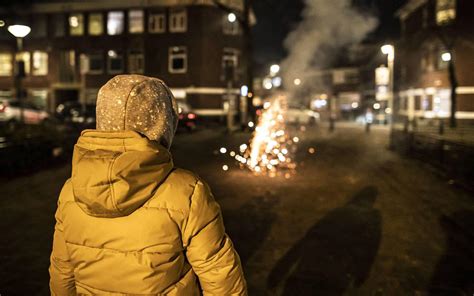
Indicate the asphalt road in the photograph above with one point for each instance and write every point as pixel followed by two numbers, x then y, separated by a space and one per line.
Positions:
pixel 355 219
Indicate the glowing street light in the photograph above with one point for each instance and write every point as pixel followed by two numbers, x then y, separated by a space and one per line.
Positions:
pixel 274 69
pixel 231 17
pixel 297 81
pixel 446 56
pixel 376 106
pixel 387 49
pixel 19 31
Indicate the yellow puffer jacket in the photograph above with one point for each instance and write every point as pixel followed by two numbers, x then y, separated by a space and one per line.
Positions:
pixel 128 223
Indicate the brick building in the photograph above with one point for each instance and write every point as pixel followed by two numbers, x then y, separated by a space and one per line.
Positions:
pixel 432 31
pixel 76 46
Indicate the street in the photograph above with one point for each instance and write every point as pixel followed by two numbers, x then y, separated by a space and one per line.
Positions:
pixel 355 219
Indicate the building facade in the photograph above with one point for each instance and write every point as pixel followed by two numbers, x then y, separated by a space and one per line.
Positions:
pixel 76 46
pixel 432 33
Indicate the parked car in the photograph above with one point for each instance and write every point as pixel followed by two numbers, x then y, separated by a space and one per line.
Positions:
pixel 10 112
pixel 187 118
pixel 301 115
pixel 76 114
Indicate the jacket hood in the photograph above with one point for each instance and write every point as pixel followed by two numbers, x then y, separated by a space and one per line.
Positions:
pixel 115 173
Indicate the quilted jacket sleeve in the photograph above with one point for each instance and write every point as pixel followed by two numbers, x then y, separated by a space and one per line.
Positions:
pixel 209 250
pixel 61 271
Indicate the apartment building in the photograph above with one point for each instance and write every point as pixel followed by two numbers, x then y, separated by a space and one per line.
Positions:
pixel 432 33
pixel 75 46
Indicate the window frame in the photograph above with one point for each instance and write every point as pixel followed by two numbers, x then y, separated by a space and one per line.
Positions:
pixel 172 56
pixel 136 19
pixel 109 62
pixel 80 25
pixel 157 16
pixel 8 56
pixel 101 23
pixel 97 54
pixel 446 13
pixel 122 30
pixel 178 15
pixel 132 57
pixel 34 70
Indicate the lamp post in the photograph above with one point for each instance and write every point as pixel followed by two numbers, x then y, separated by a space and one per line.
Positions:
pixel 19 31
pixel 389 50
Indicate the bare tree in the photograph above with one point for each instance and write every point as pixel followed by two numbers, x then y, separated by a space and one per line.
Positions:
pixel 448 36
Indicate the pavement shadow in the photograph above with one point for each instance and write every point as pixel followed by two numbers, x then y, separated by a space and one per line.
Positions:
pixel 454 273
pixel 249 225
pixel 335 254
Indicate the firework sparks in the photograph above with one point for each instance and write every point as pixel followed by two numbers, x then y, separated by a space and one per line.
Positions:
pixel 269 151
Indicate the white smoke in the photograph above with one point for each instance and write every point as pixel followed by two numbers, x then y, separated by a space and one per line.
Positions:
pixel 327 27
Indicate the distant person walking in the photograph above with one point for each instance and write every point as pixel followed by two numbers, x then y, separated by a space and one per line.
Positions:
pixel 128 221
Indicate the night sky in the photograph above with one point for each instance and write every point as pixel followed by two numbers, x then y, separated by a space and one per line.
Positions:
pixel 275 19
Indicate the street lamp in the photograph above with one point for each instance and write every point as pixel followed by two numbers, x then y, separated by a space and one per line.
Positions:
pixel 231 17
pixel 446 57
pixel 274 69
pixel 389 50
pixel 19 31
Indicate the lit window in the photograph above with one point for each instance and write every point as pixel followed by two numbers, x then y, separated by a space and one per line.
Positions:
pixel 115 23
pixel 6 66
pixel 230 62
pixel 25 57
pixel 178 21
pixel 114 62
pixel 40 63
pixel 96 63
pixel 96 24
pixel 178 59
pixel 76 24
pixel 230 28
pixel 157 23
pixel 136 62
pixel 135 19
pixel 445 11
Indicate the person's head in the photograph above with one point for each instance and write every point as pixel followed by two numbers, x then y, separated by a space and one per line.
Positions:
pixel 138 103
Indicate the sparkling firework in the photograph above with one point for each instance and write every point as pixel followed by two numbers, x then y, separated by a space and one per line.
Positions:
pixel 271 148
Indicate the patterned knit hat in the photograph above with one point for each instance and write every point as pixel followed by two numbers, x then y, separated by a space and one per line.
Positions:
pixel 138 103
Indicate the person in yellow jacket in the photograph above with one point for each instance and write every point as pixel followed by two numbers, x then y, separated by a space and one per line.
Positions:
pixel 130 223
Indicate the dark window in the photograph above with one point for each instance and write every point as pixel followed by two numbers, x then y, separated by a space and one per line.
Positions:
pixel 59 21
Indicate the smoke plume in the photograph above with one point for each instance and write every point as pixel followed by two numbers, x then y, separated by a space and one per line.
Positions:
pixel 327 27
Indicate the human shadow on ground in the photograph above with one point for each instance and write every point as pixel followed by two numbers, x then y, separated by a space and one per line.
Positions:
pixel 335 254
pixel 249 225
pixel 454 273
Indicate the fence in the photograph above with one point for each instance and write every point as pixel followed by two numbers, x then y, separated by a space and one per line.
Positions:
pixel 452 152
